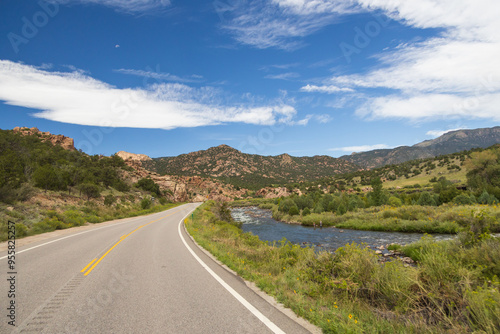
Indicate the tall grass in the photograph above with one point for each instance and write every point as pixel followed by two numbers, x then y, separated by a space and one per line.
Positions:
pixel 453 288
pixel 413 218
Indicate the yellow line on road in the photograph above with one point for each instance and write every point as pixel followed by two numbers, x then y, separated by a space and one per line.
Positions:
pixel 88 265
pixel 121 239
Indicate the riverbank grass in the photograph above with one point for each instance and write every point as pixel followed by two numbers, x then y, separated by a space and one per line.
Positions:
pixel 454 287
pixel 448 219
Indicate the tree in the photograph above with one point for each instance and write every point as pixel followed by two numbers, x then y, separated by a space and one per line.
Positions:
pixel 486 198
pixel 294 210
pixel 483 171
pixel 377 195
pixel 426 199
pixel 222 211
pixel 319 208
pixel 90 190
pixel 149 185
pixel 48 178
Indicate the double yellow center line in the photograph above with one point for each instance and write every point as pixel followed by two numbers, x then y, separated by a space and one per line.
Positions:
pixel 95 262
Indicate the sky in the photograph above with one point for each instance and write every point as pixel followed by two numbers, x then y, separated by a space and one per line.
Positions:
pixel 303 77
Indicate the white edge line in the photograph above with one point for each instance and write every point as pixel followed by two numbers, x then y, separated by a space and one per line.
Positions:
pixel 74 235
pixel 275 329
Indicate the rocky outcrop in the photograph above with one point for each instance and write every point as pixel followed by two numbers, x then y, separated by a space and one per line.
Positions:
pixel 133 157
pixel 270 192
pixel 185 188
pixel 63 141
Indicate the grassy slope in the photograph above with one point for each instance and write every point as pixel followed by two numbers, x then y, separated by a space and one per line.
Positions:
pixel 51 210
pixel 424 178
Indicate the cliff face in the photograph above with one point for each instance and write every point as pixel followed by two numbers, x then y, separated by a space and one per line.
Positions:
pixel 63 141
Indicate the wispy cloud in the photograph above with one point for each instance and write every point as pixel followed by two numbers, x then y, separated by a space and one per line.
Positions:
pixel 73 97
pixel 325 118
pixel 279 66
pixel 361 148
pixel 283 76
pixel 325 89
pixel 159 76
pixel 130 6
pixel 275 23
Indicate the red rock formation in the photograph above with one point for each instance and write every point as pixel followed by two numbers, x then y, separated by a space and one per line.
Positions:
pixel 63 141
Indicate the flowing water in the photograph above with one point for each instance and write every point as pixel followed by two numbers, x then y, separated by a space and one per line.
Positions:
pixel 260 222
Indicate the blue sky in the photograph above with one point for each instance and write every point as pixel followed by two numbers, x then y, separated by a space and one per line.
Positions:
pixel 304 77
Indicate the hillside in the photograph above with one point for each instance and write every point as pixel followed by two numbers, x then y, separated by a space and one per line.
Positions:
pixel 249 170
pixel 32 161
pixel 451 142
pixel 410 176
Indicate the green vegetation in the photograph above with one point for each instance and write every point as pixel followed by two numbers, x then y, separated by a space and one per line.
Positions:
pixel 418 174
pixel 453 288
pixel 34 221
pixel 75 188
pixel 27 161
pixel 440 208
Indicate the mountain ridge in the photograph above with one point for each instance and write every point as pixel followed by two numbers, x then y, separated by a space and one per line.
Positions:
pixel 233 166
pixel 450 142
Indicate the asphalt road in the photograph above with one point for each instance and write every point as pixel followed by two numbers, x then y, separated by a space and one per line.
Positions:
pixel 137 275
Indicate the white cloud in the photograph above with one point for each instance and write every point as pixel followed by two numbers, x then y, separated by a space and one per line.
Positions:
pixel 159 76
pixel 130 6
pixel 72 97
pixel 454 74
pixel 361 148
pixel 325 89
pixel 439 133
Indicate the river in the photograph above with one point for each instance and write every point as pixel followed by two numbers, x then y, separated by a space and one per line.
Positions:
pixel 260 222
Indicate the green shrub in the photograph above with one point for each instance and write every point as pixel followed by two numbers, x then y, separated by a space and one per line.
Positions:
pixel 145 203
pixel 486 198
pixel 426 199
pixel 294 210
pixel 93 219
pixel 109 200
pixel 73 218
pixel 395 202
pixel 306 212
pixel 462 199
pixel 21 230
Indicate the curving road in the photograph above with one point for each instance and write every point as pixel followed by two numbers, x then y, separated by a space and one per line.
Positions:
pixel 135 275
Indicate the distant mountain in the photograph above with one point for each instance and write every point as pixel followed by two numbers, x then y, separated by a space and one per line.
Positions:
pixel 249 170
pixel 451 142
